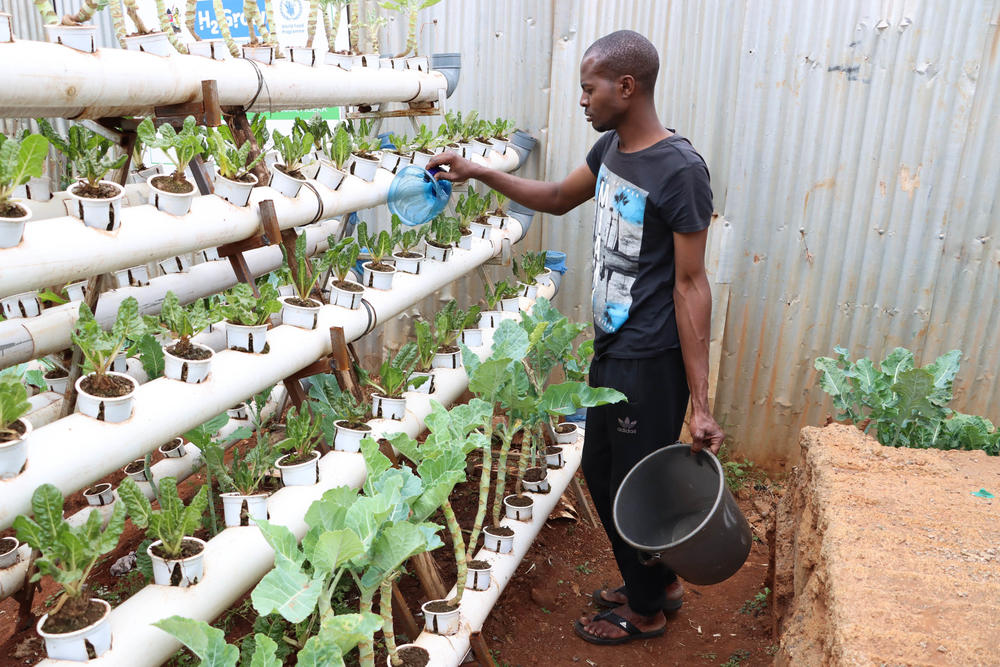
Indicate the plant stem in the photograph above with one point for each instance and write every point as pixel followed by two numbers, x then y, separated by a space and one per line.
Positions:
pixel 118 21
pixel 86 12
pixel 484 492
pixel 522 462
pixel 311 26
pixel 354 29
pixel 411 33
pixel 214 525
pixel 331 28
pixel 459 542
pixel 385 608
pixel 44 8
pixel 507 437
pixel 190 14
pixel 133 13
pixel 366 647
pixel 270 33
pixel 220 18
pixel 161 12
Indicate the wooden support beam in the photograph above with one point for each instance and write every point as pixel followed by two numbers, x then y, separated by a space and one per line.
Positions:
pixel 343 369
pixel 26 595
pixel 429 576
pixel 480 650
pixel 200 173
pixel 210 103
pixel 581 500
pixel 409 623
pixel 242 271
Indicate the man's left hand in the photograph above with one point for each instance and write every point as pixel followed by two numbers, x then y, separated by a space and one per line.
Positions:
pixel 705 433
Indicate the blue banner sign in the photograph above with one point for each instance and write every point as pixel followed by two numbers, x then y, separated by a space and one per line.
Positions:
pixel 208 28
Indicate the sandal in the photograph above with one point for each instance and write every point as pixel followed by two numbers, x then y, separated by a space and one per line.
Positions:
pixel 623 623
pixel 669 606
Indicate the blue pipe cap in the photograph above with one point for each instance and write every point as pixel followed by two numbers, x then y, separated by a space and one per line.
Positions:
pixel 450 65
pixel 555 260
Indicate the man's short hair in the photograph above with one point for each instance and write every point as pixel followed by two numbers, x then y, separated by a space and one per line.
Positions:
pixel 627 52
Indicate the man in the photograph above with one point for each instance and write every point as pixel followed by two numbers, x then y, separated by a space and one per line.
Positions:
pixel 651 298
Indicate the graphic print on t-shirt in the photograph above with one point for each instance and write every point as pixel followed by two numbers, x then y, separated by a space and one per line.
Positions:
pixel 617 240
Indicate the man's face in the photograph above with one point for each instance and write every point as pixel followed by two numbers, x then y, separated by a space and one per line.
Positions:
pixel 600 97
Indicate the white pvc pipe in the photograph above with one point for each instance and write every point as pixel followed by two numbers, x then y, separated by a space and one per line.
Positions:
pixel 476 605
pixel 77 450
pixel 116 82
pixel 60 250
pixel 24 339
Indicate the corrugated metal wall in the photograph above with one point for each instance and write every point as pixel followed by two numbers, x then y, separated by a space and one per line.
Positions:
pixel 854 165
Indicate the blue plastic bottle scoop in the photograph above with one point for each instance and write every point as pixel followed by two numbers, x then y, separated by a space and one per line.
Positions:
pixel 416 196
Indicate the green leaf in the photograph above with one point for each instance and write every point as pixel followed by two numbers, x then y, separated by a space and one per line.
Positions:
pixel 264 653
pixel 320 651
pixel 833 379
pixel 391 548
pixel 914 388
pixel 139 508
pixel 510 341
pixel 288 591
pixel 568 397
pixel 151 356
pixel 898 361
pixel 349 630
pixel 282 540
pixel 208 643
pixel 335 548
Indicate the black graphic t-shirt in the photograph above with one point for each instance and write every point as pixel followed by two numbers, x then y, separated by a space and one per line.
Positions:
pixel 642 199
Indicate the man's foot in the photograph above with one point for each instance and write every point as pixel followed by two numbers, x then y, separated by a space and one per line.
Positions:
pixel 613 598
pixel 619 625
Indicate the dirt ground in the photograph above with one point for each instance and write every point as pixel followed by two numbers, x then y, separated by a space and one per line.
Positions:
pixel 533 621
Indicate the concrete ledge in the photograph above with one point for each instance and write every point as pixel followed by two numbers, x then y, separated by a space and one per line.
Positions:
pixel 882 556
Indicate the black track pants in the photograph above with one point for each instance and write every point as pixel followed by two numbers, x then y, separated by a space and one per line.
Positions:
pixel 619 436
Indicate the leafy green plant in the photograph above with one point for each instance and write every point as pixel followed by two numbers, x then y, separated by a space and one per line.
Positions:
pixel 100 347
pixel 20 160
pixel 395 373
pixel 410 8
pixel 468 128
pixel 375 23
pixel 379 245
pixel 86 155
pixel 470 206
pixel 501 199
pixel 13 405
pixel 302 434
pixel 258 127
pixel 233 163
pixel 501 290
pixel 410 239
pixel 426 346
pixel 204 437
pixel 364 143
pixel 906 405
pixel 293 148
pixel 241 307
pixel 68 553
pixel 337 146
pixel 449 321
pixel 576 365
pixel 173 521
pixel 445 231
pixel 531 266
pixel 308 271
pixel 316 127
pixel 452 126
pixel 248 469
pixel 401 143
pixel 180 147
pixel 342 256
pixel 425 140
pixel 183 322
pixel 332 404
pixel 756 604
pixel 500 128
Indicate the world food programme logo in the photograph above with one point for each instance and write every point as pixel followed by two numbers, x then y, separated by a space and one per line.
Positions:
pixel 290 10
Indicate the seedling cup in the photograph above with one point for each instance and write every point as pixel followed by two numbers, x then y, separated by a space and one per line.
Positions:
pixel 12 229
pixel 567 433
pixel 176 264
pixel 480 230
pixel 511 305
pixel 409 264
pixel 490 319
pixel 416 655
pixel 518 508
pixel 236 193
pixel 174 203
pixel 388 408
pixel 380 279
pixel 136 470
pixel 154 42
pixel 261 54
pixel 14 453
pixel 347 298
pixel 284 183
pixel 437 253
pixel 420 158
pixel 478 578
pixel 479 148
pixel 498 221
pixel 447 360
pixel 425 387
pixel 6 28
pixel 299 474
pixel 363 168
pixel 73 645
pixel 440 622
pixel 209 48
pixel 233 505
pixel 36 189
pixel 499 145
pixel 329 176
pixel 345 61
pixel 303 317
pixel 79 37
pixel 536 486
pixel 109 409
pixel 136 276
pixel 496 539
pixel 178 572
pixel 472 337
pixel 174 449
pixel 528 291
pixel 304 55
pixel 465 240
pixel 346 439
pixel 192 371
pixel 246 338
pixel 25 304
pixel 8 551
pixel 99 495
pixel 554 457
pixel 238 412
pixel 389 161
pixel 104 214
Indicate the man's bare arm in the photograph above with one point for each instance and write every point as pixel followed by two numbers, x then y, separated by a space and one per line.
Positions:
pixel 554 198
pixel 693 307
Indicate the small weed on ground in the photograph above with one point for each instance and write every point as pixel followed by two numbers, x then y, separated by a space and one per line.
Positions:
pixel 736 658
pixel 757 603
pixel 584 567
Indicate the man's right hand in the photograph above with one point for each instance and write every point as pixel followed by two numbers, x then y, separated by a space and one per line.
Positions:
pixel 459 169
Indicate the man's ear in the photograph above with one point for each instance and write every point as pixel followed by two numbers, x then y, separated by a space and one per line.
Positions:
pixel 626 86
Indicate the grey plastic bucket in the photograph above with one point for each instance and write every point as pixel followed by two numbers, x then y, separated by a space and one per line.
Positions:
pixel 449 64
pixel 674 506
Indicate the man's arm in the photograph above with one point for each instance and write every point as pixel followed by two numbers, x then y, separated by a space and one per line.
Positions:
pixel 693 307
pixel 554 198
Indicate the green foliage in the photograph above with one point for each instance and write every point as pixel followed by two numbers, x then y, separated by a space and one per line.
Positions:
pixel 470 206
pixel 258 127
pixel 450 320
pixel 86 152
pixel 337 146
pixel 19 161
pixel 411 238
pixel 379 245
pixel 246 470
pixel 293 148
pixel 576 365
pixel 180 147
pixel 100 347
pixel 308 271
pixel 233 163
pixel 362 138
pixel 68 553
pixel 206 642
pixel 240 306
pixel 183 322
pixel 426 345
pixel 501 200
pixel 445 230
pixel 500 128
pixel 401 142
pixel 395 373
pixel 907 406
pixel 532 265
pixel 425 140
pixel 737 474
pixel 13 403
pixel 342 256
pixel 568 397
pixel 501 290
pixel 332 404
pixel 302 433
pixel 316 127
pixel 151 356
pixel 173 521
